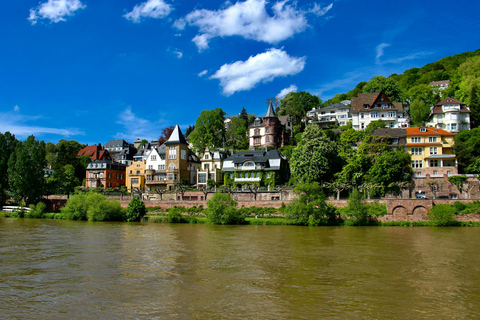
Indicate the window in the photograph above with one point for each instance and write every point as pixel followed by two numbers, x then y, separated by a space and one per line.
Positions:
pixel 454 127
pixel 172 153
pixel 183 154
pixel 134 181
pixel 433 150
pixel 170 176
pixel 432 139
pixel 423 129
pixel 150 167
pixel 392 114
pixel 267 129
pixel 206 157
pixel 267 139
pixel 362 125
pixel 230 175
pixel 257 140
pixel 202 178
pixel 110 176
pixel 268 175
pixel 153 157
pixel 172 166
pixel 149 177
pixel 362 115
pixel 206 166
pixel 374 114
pixel 416 151
pixel 454 116
pixel 416 140
pixel 257 132
pixel 417 164
pixel 433 163
pixel 161 167
pixel 212 176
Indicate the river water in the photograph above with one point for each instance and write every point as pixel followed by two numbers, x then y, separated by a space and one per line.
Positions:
pixel 82 270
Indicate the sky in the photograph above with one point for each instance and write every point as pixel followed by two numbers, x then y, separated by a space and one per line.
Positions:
pixel 97 70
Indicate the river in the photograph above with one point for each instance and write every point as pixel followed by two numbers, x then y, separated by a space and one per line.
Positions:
pixel 83 270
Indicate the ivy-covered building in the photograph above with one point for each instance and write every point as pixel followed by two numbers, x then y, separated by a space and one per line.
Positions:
pixel 260 167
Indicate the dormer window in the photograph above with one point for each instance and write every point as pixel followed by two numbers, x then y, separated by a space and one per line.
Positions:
pixel 423 129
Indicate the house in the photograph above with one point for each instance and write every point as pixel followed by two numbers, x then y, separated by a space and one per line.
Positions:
pixel 270 130
pixel 143 152
pixel 135 175
pixel 171 163
pixel 337 114
pixel 105 173
pixel 260 167
pixel 431 151
pixel 211 168
pixel 450 115
pixel 95 152
pixel 121 151
pixel 368 107
pixel 398 136
pixel 440 85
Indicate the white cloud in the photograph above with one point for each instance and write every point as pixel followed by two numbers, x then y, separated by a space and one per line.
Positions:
pixel 319 11
pixel 379 50
pixel 412 56
pixel 55 10
pixel 136 127
pixel 16 123
pixel 249 19
pixel 156 9
pixel 284 92
pixel 264 67
pixel 16 108
pixel 179 54
pixel 204 72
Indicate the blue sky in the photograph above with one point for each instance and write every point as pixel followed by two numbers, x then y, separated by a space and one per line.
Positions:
pixel 96 70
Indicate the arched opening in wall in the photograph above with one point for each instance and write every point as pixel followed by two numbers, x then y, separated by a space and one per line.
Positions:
pixel 420 211
pixel 399 211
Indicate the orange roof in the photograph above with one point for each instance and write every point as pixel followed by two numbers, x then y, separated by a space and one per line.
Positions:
pixel 94 152
pixel 431 131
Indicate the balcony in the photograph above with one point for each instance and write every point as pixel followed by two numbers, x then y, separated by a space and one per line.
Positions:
pixel 247 179
pixel 250 168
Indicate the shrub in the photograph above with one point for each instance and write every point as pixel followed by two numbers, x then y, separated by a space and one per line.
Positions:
pixel 222 210
pixel 93 207
pixel 135 210
pixel 37 211
pixel 310 211
pixel 175 215
pixel 459 207
pixel 441 215
pixel 376 209
pixel 356 209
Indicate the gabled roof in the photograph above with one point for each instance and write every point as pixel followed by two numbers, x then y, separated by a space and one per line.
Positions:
pixel 439 83
pixel 94 152
pixel 370 99
pixel 391 132
pixel 116 143
pixel 176 137
pixel 430 131
pixel 449 101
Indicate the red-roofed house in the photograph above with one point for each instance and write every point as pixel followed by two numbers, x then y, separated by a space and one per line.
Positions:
pixel 368 107
pixel 95 153
pixel 451 115
pixel 431 151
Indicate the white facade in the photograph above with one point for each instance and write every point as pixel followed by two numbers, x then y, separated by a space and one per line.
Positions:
pixel 393 118
pixel 155 161
pixel 450 115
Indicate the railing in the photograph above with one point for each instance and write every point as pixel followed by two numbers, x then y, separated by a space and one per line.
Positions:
pixel 247 179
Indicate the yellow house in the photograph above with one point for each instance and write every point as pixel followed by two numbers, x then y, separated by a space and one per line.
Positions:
pixel 136 175
pixel 431 151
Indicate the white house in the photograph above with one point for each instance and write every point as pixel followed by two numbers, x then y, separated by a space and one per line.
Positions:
pixel 450 115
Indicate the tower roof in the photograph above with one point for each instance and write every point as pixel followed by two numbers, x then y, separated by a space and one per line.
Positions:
pixel 176 137
pixel 270 112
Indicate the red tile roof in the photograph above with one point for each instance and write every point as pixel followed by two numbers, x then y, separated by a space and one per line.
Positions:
pixel 431 131
pixel 94 152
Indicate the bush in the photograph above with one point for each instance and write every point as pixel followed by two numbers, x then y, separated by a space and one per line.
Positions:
pixel 376 209
pixel 135 210
pixel 459 207
pixel 356 209
pixel 93 207
pixel 37 211
pixel 310 213
pixel 222 210
pixel 441 215
pixel 175 215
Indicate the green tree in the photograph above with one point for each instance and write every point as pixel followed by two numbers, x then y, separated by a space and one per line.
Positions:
pixel 8 145
pixel 66 153
pixel 356 208
pixel 423 92
pixel 374 126
pixel 467 150
pixel 315 157
pixel 419 112
pixel 296 104
pixel 310 208
pixel 222 210
pixel 25 171
pixel 387 85
pixel 209 130
pixel 236 135
pixel 135 210
pixel 67 180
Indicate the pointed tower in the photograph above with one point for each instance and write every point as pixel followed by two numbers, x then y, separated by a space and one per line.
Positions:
pixel 271 124
pixel 176 158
